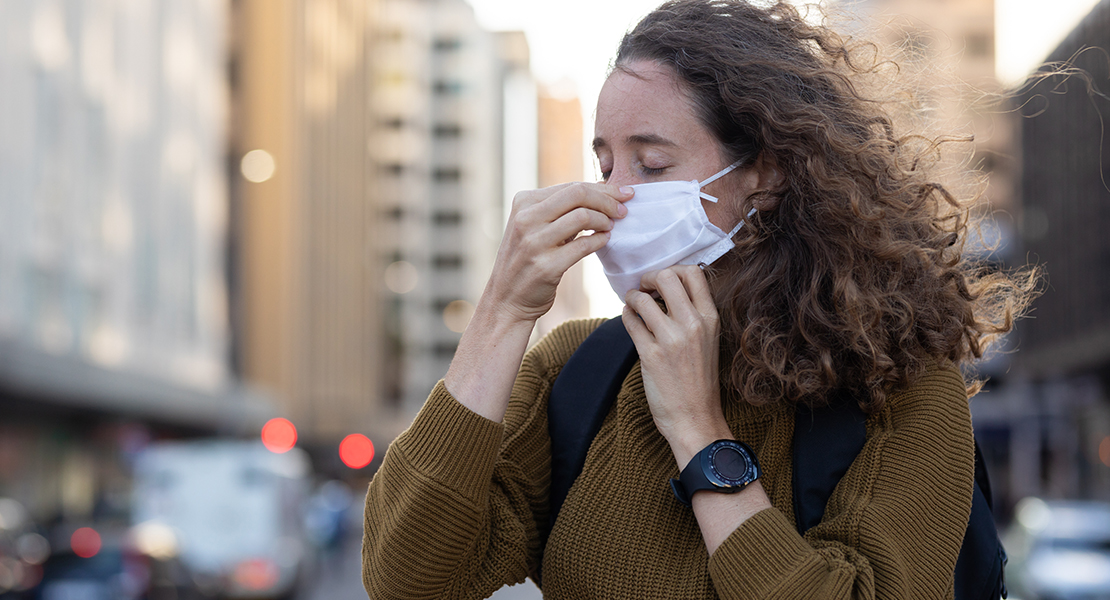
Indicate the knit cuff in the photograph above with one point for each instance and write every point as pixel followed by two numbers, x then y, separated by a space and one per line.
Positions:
pixel 452 444
pixel 753 561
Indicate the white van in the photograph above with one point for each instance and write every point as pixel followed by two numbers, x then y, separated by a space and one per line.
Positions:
pixel 236 513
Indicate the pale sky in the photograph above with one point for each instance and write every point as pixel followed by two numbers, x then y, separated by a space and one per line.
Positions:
pixel 574 40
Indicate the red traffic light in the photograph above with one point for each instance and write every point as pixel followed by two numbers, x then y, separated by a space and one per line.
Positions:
pixel 356 451
pixel 279 435
pixel 85 542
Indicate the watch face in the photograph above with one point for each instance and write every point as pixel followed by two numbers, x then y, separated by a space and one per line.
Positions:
pixel 729 464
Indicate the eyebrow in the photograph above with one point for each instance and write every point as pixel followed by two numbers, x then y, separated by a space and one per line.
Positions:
pixel 649 139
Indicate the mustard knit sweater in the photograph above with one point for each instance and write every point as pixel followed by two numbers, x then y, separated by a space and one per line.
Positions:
pixel 455 509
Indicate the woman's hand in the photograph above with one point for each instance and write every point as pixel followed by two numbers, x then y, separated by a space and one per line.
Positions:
pixel 678 357
pixel 679 353
pixel 542 241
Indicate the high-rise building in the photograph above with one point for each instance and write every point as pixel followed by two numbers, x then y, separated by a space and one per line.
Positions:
pixel 456 114
pixel 375 141
pixel 306 215
pixel 113 226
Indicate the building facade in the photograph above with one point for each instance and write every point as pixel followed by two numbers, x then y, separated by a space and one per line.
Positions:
pixel 389 133
pixel 307 299
pixel 113 208
pixel 1063 429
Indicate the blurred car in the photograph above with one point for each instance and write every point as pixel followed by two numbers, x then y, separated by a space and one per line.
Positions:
pixel 109 566
pixel 1059 550
pixel 231 510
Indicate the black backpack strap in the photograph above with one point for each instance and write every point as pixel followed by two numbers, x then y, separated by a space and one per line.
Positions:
pixel 980 567
pixel 826 441
pixel 582 395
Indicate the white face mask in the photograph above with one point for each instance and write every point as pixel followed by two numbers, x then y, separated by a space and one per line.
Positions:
pixel 666 225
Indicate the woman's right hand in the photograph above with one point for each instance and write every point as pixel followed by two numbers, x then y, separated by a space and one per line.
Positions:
pixel 542 241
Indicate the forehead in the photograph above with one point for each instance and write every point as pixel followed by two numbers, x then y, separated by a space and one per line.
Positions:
pixel 646 98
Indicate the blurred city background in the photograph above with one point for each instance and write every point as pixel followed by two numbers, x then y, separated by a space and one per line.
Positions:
pixel 240 239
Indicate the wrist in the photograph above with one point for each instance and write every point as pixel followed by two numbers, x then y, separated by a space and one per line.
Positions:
pixel 687 443
pixel 487 360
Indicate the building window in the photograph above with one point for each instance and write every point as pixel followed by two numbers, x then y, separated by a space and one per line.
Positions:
pixel 447 88
pixel 395 214
pixel 980 45
pixel 447 174
pixel 447 44
pixel 447 218
pixel 447 130
pixel 444 350
pixel 394 123
pixel 444 262
pixel 394 169
pixel 987 162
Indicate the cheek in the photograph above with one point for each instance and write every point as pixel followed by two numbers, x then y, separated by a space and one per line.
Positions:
pixel 718 215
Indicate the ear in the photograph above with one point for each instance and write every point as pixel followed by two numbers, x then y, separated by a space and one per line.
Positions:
pixel 769 183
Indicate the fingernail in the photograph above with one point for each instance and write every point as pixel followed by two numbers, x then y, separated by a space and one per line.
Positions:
pixel 622 210
pixel 627 190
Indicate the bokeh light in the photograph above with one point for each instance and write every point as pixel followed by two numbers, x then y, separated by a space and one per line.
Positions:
pixel 356 451
pixel 85 542
pixel 457 315
pixel 279 435
pixel 401 277
pixel 256 574
pixel 257 166
pixel 32 548
pixel 1104 451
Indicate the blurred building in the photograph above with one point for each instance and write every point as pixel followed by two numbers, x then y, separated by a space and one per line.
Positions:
pixel 113 209
pixel 441 152
pixel 385 135
pixel 308 307
pixel 1062 433
pixel 949 46
pixel 560 146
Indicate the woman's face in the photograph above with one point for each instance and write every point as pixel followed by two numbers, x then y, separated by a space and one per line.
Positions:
pixel 646 130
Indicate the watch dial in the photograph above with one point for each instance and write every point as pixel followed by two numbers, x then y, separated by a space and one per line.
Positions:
pixel 730 464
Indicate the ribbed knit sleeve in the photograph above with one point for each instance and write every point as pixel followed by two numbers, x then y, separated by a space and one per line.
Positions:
pixel 894 525
pixel 455 508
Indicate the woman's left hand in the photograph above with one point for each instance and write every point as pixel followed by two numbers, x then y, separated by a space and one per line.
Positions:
pixel 679 353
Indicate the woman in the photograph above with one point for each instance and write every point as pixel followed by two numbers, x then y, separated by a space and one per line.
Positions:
pixel 846 278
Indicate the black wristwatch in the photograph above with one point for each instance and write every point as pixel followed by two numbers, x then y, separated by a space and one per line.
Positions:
pixel 725 466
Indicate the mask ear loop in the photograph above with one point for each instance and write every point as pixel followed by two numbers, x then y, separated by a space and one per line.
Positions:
pixel 734 231
pixel 715 177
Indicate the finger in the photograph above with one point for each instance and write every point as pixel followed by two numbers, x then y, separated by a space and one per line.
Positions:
pixel 571 224
pixel 653 317
pixel 697 287
pixel 695 283
pixel 527 198
pixel 673 290
pixel 552 263
pixel 579 248
pixel 602 197
pixel 639 332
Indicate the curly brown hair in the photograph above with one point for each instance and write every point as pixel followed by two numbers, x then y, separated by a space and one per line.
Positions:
pixel 856 280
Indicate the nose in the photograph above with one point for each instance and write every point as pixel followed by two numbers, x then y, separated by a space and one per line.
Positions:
pixel 621 176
